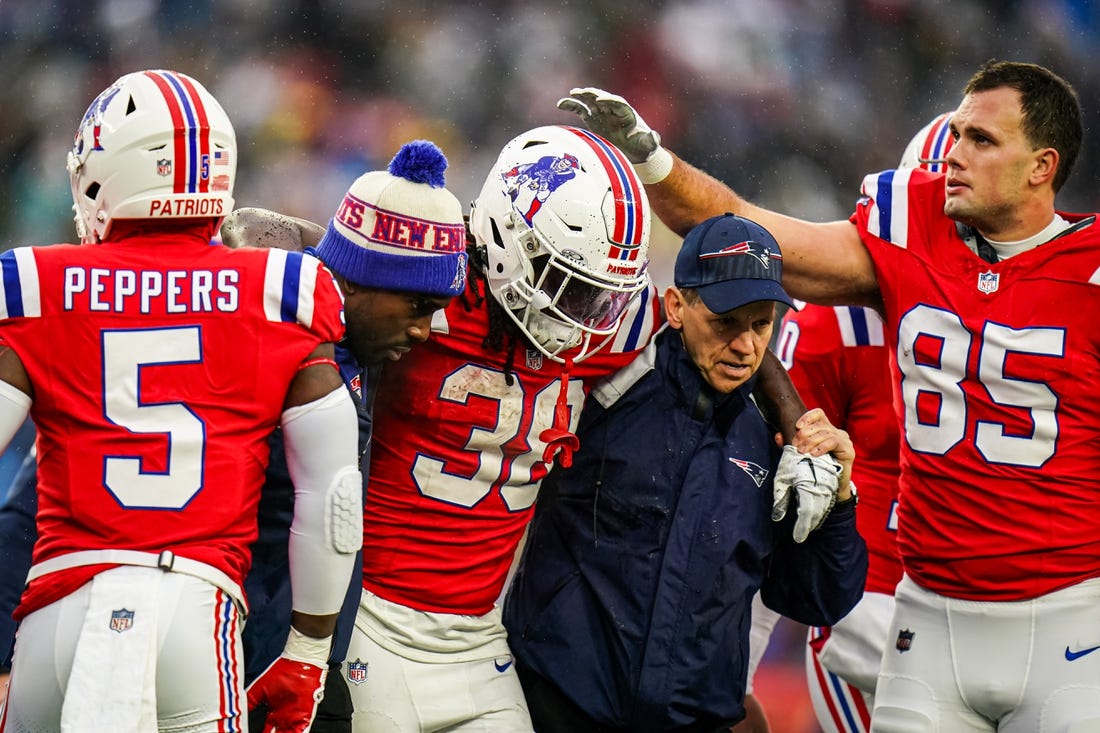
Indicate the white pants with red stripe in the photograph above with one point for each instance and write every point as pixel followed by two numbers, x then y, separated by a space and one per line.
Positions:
pixel 135 649
pixel 842 665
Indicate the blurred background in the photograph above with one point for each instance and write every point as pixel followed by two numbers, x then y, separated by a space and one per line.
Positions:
pixel 790 101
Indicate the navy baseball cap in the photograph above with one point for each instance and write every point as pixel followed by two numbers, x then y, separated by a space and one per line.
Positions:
pixel 731 261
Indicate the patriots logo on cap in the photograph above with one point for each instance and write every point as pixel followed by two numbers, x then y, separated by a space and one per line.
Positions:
pixel 756 472
pixel 459 282
pixel 761 252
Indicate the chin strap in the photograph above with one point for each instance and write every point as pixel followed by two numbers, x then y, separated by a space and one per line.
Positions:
pixel 558 439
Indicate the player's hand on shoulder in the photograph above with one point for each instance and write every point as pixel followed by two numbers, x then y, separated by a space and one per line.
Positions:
pixel 612 117
pixel 254 227
pixel 815 467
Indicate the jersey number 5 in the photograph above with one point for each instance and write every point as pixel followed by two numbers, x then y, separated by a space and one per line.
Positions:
pixel 125 352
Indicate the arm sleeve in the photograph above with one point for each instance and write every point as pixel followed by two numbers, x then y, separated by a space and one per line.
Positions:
pixel 321 439
pixel 15 405
pixel 818 581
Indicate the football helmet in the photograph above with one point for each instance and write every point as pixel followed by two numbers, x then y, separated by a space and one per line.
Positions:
pixel 564 223
pixel 929 148
pixel 153 145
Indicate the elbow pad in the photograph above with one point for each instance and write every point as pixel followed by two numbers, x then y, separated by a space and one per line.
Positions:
pixel 321 440
pixel 15 405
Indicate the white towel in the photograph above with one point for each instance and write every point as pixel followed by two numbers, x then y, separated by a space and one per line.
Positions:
pixel 112 686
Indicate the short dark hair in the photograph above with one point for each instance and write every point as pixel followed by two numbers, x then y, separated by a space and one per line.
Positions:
pixel 1051 111
pixel 690 295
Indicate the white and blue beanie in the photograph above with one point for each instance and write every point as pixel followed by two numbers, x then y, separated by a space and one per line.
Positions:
pixel 400 229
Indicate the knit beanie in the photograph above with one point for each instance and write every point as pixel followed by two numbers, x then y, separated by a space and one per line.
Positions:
pixel 399 229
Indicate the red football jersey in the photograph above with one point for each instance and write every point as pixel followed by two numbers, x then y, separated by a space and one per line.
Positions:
pixel 160 366
pixel 1000 388
pixel 457 457
pixel 838 361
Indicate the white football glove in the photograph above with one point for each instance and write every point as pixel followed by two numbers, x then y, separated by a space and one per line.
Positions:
pixel 610 116
pixel 815 479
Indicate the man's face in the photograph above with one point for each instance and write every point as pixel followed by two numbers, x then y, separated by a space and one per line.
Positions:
pixel 989 168
pixel 383 324
pixel 727 347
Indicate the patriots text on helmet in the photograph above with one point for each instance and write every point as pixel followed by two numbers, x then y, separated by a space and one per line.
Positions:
pixel 629 268
pixel 400 230
pixel 176 291
pixel 213 206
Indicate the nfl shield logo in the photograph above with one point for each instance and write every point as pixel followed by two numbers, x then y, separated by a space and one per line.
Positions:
pixel 164 167
pixel 357 672
pixel 905 640
pixel 122 620
pixel 988 282
pixel 534 359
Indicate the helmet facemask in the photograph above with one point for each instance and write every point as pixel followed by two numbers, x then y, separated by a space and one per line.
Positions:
pixel 560 305
pixel 548 218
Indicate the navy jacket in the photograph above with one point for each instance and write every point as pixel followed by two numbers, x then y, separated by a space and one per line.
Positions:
pixel 636 584
pixel 267 585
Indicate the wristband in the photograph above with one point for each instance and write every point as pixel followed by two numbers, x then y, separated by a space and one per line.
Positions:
pixel 852 500
pixel 307 649
pixel 655 168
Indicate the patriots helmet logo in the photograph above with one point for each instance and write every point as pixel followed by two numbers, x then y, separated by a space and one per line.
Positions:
pixel 529 185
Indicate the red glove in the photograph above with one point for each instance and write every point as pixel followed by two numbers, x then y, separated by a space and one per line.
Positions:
pixel 290 689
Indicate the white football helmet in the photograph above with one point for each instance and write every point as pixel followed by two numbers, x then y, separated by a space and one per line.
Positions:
pixel 565 225
pixel 153 145
pixel 929 148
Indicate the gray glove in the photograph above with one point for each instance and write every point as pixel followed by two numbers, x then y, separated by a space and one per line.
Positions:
pixel 816 480
pixel 610 116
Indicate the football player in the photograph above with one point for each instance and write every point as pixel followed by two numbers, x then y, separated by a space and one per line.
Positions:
pixel 994 623
pixel 153 429
pixel 467 425
pixel 837 357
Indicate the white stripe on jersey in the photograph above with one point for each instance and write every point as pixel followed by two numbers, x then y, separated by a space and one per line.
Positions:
pixel 889 216
pixel 849 334
pixel 290 278
pixel 273 284
pixel 27 277
pixel 307 285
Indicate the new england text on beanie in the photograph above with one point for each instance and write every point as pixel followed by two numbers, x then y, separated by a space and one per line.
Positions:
pixel 400 229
